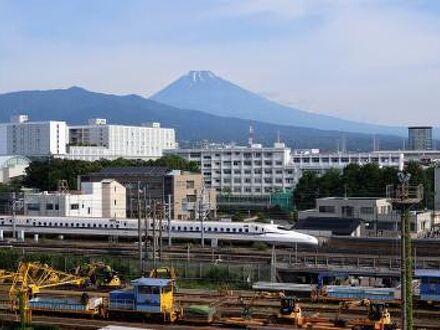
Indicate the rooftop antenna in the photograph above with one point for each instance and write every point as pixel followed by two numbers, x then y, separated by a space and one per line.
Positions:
pixel 278 136
pixel 251 135
pixel 374 142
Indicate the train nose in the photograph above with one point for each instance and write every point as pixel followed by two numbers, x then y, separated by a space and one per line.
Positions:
pixel 311 240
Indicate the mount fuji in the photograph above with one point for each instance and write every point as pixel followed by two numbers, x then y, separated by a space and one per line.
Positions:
pixel 207 92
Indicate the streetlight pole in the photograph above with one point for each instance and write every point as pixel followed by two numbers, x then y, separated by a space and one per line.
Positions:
pixel 405 196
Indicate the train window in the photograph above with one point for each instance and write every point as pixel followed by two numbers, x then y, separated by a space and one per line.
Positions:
pixel 173 228
pixel 111 226
pixel 256 228
pixel 215 229
pixel 88 225
pixel 94 225
pixel 234 230
pixel 209 228
pixel 197 229
pixel 191 228
pixel 34 224
pixel 27 221
pixel 39 223
pixel 100 225
pixel 178 228
pixel 72 224
pixel 117 226
pixel 125 224
pixel 77 224
pixel 3 223
pixel 228 229
pixel 222 229
pixel 246 230
pixel 184 228
pixel 105 226
pixel 240 230
pixel 83 225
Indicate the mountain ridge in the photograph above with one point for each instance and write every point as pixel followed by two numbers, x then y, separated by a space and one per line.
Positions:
pixel 215 95
pixel 76 104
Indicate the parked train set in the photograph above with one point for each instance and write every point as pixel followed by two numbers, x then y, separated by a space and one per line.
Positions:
pixel 182 230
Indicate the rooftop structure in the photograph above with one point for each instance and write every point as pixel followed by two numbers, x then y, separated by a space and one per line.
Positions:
pixel 12 166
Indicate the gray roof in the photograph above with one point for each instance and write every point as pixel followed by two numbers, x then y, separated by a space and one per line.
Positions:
pixel 132 171
pixel 338 226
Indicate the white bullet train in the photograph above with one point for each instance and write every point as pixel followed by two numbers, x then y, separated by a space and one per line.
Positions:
pixel 213 230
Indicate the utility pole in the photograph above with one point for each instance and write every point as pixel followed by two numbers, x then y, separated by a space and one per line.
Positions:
pixel 146 222
pixel 202 229
pixel 405 197
pixel 14 220
pixel 141 259
pixel 154 232
pixel 162 214
pixel 169 220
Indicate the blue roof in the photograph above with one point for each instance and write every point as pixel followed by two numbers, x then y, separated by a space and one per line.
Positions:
pixel 148 281
pixel 427 273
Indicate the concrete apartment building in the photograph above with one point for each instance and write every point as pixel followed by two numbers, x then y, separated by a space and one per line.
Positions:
pixel 101 140
pixel 33 139
pixel 153 183
pixel 106 198
pixel 420 138
pixel 376 214
pixel 244 170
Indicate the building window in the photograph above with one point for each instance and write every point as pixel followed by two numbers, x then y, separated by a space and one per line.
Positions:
pixel 74 206
pixel 367 210
pixel 49 206
pixel 326 209
pixel 189 184
pixel 191 198
pixel 33 207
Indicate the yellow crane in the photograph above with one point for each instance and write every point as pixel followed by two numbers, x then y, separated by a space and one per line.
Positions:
pixel 6 276
pixel 30 279
pixel 100 274
pixel 378 316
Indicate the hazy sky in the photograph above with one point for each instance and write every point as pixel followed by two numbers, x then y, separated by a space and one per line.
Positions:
pixel 375 60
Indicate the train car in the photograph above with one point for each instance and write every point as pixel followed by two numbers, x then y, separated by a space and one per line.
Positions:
pixel 429 286
pixel 214 231
pixel 149 297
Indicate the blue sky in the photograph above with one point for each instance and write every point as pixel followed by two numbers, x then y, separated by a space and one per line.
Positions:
pixel 368 60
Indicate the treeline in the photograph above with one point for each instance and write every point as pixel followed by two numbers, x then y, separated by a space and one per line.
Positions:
pixel 361 181
pixel 45 175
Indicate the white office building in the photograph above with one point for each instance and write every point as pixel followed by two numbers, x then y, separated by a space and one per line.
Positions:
pixel 106 198
pixel 33 139
pixel 322 162
pixel 99 140
pixel 251 170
